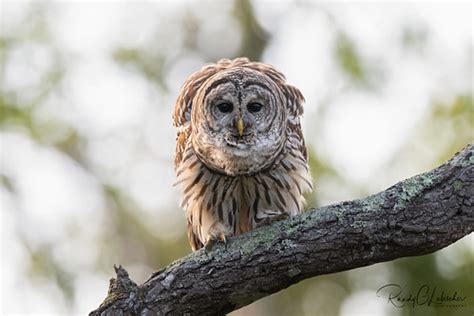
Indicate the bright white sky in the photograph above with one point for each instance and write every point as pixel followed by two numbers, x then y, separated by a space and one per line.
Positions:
pixel 117 109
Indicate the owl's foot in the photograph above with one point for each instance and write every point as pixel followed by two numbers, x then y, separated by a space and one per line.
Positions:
pixel 220 237
pixel 217 233
pixel 268 216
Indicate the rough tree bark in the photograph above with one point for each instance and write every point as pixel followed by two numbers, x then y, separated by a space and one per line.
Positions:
pixel 414 217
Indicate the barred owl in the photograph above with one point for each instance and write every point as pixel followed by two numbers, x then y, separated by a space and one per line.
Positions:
pixel 241 159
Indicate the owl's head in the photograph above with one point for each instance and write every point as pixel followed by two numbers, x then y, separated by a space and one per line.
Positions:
pixel 239 116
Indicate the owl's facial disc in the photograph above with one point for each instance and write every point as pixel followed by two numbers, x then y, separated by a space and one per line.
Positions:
pixel 239 122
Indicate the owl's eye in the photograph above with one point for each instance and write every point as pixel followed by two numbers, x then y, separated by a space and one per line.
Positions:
pixel 254 107
pixel 225 107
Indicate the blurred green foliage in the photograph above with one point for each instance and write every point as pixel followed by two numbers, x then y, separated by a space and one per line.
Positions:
pixel 414 38
pixel 423 270
pixel 349 59
pixel 255 38
pixel 43 265
pixel 151 65
pixel 458 117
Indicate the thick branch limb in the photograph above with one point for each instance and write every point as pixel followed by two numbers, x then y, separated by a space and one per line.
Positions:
pixel 414 217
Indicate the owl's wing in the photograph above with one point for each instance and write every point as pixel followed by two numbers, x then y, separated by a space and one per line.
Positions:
pixel 294 103
pixel 182 110
pixel 183 107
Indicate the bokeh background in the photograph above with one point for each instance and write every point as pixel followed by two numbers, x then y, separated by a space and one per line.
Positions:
pixel 86 95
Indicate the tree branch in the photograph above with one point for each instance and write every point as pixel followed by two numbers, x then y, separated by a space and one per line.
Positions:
pixel 414 217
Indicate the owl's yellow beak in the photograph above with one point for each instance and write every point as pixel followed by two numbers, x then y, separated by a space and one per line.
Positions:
pixel 240 126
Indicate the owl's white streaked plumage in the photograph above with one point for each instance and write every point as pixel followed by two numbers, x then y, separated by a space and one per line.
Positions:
pixel 240 154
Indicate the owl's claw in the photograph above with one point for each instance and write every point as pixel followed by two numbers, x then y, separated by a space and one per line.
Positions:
pixel 209 244
pixel 222 238
pixel 271 219
pixel 211 241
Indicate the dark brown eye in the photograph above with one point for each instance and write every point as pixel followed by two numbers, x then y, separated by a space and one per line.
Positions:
pixel 225 107
pixel 254 107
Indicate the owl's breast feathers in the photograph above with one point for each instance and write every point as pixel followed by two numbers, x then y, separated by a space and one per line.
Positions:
pixel 215 202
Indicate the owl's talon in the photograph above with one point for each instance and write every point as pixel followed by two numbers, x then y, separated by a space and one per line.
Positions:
pixel 281 217
pixel 222 238
pixel 209 244
pixel 212 241
pixel 268 220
